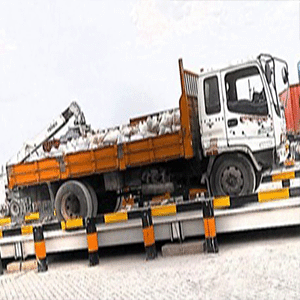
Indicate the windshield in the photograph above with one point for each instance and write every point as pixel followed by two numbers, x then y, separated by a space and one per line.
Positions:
pixel 272 68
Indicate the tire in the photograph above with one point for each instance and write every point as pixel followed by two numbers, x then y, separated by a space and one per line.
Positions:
pixel 94 199
pixel 73 200
pixel 258 176
pixel 16 209
pixel 233 175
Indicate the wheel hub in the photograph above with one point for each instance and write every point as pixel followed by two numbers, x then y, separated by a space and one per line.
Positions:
pixel 232 181
pixel 15 209
pixel 70 206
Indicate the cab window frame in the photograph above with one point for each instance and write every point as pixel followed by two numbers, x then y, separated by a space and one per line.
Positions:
pixel 245 106
pixel 211 91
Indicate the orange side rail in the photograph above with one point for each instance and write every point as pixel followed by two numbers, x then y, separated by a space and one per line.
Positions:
pixel 111 158
pixel 69 166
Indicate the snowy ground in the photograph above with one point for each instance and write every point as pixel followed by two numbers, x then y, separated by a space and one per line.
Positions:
pixel 257 265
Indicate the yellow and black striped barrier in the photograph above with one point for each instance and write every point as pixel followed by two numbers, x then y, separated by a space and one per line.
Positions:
pixel 72 224
pixel 206 205
pixel 89 225
pixel 5 221
pixel 1 265
pixel 284 177
pixel 32 217
pixel 264 196
pixel 28 218
pixel 148 235
pixel 211 244
pixel 40 248
pixel 92 241
pixel 22 230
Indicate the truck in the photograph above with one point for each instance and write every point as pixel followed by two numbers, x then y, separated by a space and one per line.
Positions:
pixel 290 99
pixel 292 109
pixel 228 130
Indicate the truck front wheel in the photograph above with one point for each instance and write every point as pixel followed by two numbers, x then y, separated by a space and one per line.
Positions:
pixel 73 200
pixel 233 175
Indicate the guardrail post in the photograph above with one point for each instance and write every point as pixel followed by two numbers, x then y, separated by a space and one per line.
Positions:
pixel 148 234
pixel 211 244
pixel 40 248
pixel 92 241
pixel 286 183
pixel 1 266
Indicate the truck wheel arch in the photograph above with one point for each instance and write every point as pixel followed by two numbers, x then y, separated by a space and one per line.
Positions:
pixel 243 150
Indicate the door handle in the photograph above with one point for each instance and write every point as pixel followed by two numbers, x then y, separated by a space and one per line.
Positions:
pixel 232 122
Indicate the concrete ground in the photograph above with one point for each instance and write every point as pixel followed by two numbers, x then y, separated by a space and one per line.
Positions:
pixel 255 265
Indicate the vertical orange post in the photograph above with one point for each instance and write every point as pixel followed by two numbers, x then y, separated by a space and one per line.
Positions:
pixel 148 234
pixel 92 240
pixel 40 248
pixel 211 244
pixel 185 115
pixel 1 266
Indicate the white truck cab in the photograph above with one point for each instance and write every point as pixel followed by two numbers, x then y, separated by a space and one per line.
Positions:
pixel 242 124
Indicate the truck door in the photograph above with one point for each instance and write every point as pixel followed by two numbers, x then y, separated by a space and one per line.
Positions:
pixel 248 117
pixel 211 107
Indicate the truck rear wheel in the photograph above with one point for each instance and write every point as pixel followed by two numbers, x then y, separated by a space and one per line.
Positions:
pixel 94 199
pixel 73 200
pixel 233 175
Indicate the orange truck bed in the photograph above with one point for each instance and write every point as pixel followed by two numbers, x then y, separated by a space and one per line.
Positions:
pixel 116 157
pixel 110 158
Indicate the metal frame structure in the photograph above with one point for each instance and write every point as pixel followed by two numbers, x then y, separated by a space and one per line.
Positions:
pixel 174 227
pixel 198 218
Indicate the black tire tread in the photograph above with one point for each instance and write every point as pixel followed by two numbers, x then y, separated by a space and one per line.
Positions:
pixel 233 159
pixel 82 193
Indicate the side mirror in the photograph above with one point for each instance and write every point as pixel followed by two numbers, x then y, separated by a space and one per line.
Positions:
pixel 268 73
pixel 285 75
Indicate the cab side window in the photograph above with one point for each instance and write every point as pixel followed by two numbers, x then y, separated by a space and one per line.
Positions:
pixel 211 95
pixel 245 92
